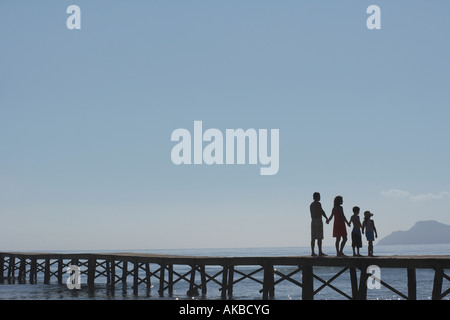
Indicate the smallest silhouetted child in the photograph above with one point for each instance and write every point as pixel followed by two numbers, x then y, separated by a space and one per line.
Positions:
pixel 369 225
pixel 356 232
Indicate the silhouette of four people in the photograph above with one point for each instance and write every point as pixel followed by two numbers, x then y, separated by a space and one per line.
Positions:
pixel 339 227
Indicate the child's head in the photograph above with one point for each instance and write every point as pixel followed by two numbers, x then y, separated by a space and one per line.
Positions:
pixel 367 215
pixel 356 210
pixel 338 201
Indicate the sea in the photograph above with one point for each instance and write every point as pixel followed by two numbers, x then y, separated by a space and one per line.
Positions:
pixel 247 289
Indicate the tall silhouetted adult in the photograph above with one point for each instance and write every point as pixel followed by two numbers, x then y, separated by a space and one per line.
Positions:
pixel 316 224
pixel 339 229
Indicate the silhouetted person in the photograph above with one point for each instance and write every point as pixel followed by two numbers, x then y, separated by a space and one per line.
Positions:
pixel 369 225
pixel 339 229
pixel 316 224
pixel 356 232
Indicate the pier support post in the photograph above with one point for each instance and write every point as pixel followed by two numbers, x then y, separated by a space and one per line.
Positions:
pixel 148 276
pixel 170 268
pixel 437 284
pixel 2 267
pixel 307 282
pixel 47 271
pixel 162 268
pixel 113 274
pixel 230 280
pixel 33 271
pixel 22 269
pixel 124 272
pixel 224 281
pixel 268 284
pixel 354 283
pixel 135 276
pixel 108 271
pixel 192 290
pixel 203 279
pixel 91 270
pixel 60 270
pixel 11 268
pixel 362 292
pixel 412 295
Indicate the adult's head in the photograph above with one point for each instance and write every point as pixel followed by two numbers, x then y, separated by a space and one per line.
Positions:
pixel 316 196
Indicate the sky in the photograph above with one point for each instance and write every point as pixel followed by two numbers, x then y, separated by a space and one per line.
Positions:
pixel 86 118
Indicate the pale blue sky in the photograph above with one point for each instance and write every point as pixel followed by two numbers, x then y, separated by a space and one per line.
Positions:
pixel 86 118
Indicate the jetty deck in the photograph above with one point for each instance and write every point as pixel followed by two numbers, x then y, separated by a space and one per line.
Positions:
pixel 143 268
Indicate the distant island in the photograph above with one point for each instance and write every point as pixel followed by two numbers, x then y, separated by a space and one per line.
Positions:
pixel 423 232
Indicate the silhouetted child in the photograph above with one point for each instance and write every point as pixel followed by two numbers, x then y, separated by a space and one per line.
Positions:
pixel 369 225
pixel 356 232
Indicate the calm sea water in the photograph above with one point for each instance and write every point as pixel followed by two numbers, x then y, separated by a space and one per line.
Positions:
pixel 245 289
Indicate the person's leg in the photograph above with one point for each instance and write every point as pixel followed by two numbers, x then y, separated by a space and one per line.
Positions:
pixel 319 244
pixel 338 239
pixel 344 240
pixel 312 247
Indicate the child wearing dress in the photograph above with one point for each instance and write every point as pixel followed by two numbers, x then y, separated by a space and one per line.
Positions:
pixel 339 230
pixel 369 225
pixel 356 232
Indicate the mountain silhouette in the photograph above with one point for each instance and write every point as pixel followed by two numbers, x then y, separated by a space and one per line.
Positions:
pixel 423 232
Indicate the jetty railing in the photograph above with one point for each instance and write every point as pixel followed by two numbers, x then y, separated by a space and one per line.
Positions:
pixel 225 272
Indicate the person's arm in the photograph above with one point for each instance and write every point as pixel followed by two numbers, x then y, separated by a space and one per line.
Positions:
pixel 375 230
pixel 331 216
pixel 323 212
pixel 345 219
pixel 363 226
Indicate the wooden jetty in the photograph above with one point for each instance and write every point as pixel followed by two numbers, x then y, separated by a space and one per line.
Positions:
pixel 225 272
